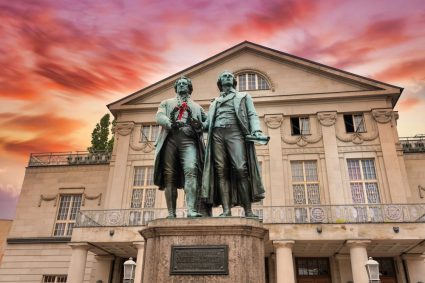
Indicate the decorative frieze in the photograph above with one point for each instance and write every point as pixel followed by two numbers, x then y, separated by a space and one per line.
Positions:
pixel 98 197
pixel 48 198
pixel 326 119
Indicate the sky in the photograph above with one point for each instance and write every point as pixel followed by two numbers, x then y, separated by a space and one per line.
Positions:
pixel 63 61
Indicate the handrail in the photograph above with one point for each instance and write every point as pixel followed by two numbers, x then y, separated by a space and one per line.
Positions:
pixel 68 158
pixel 299 214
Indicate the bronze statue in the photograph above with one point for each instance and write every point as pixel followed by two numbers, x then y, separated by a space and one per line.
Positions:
pixel 231 174
pixel 180 148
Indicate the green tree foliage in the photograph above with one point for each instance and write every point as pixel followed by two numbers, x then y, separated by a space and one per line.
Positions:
pixel 100 140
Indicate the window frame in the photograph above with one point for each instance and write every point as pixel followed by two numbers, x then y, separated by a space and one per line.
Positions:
pixel 141 212
pixel 299 120
pixel 357 127
pixel 68 221
pixel 149 138
pixel 252 85
pixel 363 181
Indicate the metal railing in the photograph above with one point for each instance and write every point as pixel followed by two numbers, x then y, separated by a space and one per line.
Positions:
pixel 413 144
pixel 68 158
pixel 331 214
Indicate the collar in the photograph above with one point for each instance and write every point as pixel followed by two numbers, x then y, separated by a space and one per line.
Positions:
pixel 231 91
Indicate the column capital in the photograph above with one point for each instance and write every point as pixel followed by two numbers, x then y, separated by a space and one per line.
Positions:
pixel 415 257
pixel 283 243
pixel 104 257
pixel 273 121
pixel 81 246
pixel 383 115
pixel 139 245
pixel 327 119
pixel 358 243
pixel 123 128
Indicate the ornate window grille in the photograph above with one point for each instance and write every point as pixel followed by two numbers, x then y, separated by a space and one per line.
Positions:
pixel 143 195
pixel 364 188
pixel 305 187
pixel 69 206
pixel 54 278
pixel 252 81
pixel 149 133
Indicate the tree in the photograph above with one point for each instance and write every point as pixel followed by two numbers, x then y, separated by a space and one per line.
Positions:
pixel 100 140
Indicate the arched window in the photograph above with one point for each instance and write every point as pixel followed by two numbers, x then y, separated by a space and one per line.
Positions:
pixel 252 81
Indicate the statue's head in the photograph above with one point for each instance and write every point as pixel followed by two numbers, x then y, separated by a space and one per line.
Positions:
pixel 183 85
pixel 226 79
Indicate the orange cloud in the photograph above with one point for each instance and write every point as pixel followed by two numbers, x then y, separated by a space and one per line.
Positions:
pixel 38 144
pixel 410 69
pixel 44 123
pixel 408 103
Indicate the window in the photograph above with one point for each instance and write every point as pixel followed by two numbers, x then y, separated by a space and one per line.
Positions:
pixel 364 189
pixel 69 206
pixel 300 126
pixel 354 123
pixel 252 81
pixel 305 187
pixel 143 195
pixel 312 267
pixel 54 278
pixel 149 133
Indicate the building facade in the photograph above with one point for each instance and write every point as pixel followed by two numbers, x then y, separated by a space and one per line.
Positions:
pixel 341 186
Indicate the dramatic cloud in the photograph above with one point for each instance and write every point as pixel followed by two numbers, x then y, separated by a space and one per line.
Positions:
pixel 410 69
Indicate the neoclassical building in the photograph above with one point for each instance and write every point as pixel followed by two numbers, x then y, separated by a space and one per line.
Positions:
pixel 341 186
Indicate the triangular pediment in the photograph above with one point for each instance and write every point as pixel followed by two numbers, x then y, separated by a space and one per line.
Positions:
pixel 289 77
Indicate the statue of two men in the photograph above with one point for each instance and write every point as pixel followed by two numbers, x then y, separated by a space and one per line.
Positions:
pixel 231 174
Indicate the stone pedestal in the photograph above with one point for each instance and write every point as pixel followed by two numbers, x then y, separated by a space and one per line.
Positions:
pixel 241 239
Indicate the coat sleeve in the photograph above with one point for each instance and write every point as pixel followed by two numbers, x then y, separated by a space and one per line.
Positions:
pixel 254 122
pixel 161 116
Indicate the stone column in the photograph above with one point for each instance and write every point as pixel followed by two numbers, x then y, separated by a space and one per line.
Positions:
pixel 77 266
pixel 397 187
pixel 358 257
pixel 327 121
pixel 139 263
pixel 415 267
pixel 274 123
pixel 284 262
pixel 103 267
pixel 117 173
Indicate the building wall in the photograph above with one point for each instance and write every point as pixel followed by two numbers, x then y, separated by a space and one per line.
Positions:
pixel 40 193
pixel 4 231
pixel 29 262
pixel 415 164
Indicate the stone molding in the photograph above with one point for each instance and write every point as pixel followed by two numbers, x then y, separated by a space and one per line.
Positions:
pixel 39 240
pixel 203 227
pixel 358 243
pixel 139 245
pixel 327 119
pixel 273 121
pixel 382 116
pixel 123 128
pixel 414 257
pixel 47 198
pixel 82 246
pixel 99 197
pixel 283 244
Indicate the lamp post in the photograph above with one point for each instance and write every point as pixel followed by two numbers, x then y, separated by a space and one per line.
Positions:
pixel 372 267
pixel 129 268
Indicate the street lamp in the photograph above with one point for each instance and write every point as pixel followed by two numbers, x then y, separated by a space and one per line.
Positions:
pixel 129 269
pixel 372 267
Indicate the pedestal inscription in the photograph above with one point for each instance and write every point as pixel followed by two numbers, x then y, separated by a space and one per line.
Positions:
pixel 199 260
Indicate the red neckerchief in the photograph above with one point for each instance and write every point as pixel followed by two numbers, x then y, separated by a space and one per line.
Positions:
pixel 182 109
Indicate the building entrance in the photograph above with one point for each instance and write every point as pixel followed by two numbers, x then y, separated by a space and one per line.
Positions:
pixel 313 270
pixel 386 270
